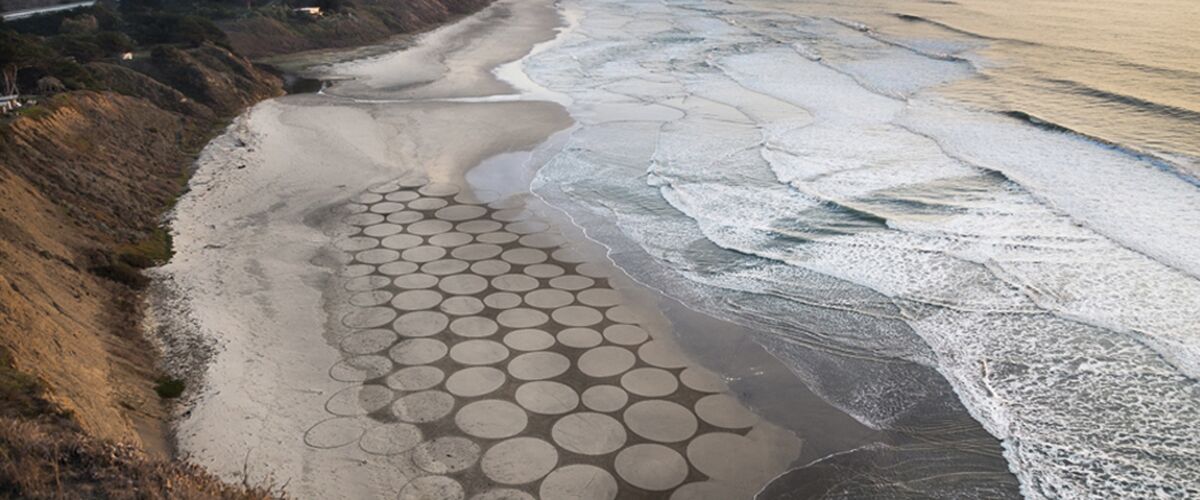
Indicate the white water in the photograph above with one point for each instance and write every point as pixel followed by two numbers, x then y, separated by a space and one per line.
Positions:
pixel 1051 280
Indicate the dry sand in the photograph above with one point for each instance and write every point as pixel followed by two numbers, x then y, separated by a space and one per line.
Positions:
pixel 269 273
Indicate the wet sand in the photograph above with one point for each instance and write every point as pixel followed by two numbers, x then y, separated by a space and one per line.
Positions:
pixel 391 313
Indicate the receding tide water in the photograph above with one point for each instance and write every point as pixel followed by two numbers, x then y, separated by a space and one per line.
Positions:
pixel 931 211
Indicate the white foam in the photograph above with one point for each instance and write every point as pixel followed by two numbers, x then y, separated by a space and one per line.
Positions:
pixel 1049 303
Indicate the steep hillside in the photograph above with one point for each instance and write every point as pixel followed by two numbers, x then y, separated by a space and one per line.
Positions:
pixel 270 32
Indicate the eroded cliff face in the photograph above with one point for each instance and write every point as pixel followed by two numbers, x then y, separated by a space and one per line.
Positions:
pixel 89 176
pixel 84 178
pixel 362 23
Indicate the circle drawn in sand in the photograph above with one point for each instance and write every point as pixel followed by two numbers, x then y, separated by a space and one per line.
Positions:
pixel 367 341
pixel 429 227
pixel 490 267
pixel 548 298
pixel 446 455
pixel 462 306
pixel 592 270
pixel 542 240
pixel 478 352
pixel 390 439
pixel 439 189
pixel 579 482
pixel 605 398
pixel 661 354
pixel 626 334
pixel 368 317
pixel 397 268
pixel 414 300
pixel 402 241
pixel 622 314
pixel 387 207
pixel 402 196
pixel 661 421
pixel 544 270
pixel 363 219
pixel 522 317
pixel 383 230
pixel 477 197
pixel 460 212
pixel 356 270
pixel 547 398
pixel 415 280
pixel 581 338
pixel 514 283
pixel 649 382
pixel 519 460
pixel 356 243
pixel 529 339
pixel 474 326
pixel 479 226
pixel 498 238
pixel 421 407
pixel 371 298
pixel 415 378
pixel 699 379
pixel 476 251
pixel 524 256
pixel 503 494
pixel 335 432
pixel 432 488
pixel 723 410
pixel 420 323
pixel 475 381
pixel 572 282
pixel 364 283
pixel 726 456
pixel 423 253
pixel 463 284
pixel 651 467
pixel 511 215
pixel 418 351
pixel 360 368
pixel 606 361
pixel 538 365
pixel 491 419
pixel 502 300
pixel 377 255
pixel 577 316
pixel 367 198
pixel 444 267
pixel 452 239
pixel 589 433
pixel 405 217
pixel 600 297
pixel 359 400
pixel 424 204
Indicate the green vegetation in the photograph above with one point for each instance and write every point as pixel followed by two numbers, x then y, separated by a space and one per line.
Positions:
pixel 156 249
pixel 169 388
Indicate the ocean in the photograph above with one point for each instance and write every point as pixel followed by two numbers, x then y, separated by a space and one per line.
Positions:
pixel 932 211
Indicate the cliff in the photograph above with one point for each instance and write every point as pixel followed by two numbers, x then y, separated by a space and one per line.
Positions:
pixel 268 32
pixel 85 177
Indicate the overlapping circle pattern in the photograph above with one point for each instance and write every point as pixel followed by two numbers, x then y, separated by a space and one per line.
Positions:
pixel 501 361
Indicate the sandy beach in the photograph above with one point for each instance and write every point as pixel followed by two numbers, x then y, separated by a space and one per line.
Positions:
pixel 380 325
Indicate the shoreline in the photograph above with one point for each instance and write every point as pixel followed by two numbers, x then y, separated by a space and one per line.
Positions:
pixel 223 226
pixel 505 170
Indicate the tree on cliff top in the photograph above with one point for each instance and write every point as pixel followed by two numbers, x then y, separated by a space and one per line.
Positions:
pixel 18 52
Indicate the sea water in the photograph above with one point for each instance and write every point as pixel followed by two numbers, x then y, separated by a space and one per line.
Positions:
pixel 912 237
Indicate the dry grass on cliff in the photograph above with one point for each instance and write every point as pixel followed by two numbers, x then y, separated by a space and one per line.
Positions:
pixel 46 460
